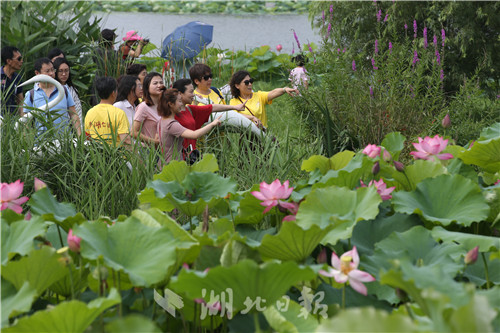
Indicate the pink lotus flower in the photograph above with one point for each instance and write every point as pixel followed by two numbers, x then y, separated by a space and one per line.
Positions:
pixel 346 269
pixel 372 151
pixel 39 184
pixel 9 196
pixel 279 47
pixel 430 148
pixel 382 190
pixel 272 194
pixel 471 256
pixel 446 122
pixel 73 242
pixel 294 208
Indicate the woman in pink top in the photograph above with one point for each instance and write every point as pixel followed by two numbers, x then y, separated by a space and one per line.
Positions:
pixel 171 132
pixel 146 117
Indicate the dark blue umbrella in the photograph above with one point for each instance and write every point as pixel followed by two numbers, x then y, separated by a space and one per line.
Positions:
pixel 187 41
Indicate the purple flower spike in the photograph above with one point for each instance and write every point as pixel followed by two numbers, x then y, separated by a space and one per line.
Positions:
pixel 414 28
pixel 406 26
pixel 310 48
pixel 442 75
pixel 331 9
pixel 435 40
pixel 386 18
pixel 376 46
pixel 425 38
pixel 296 39
pixel 390 47
pixel 443 37
pixel 379 15
pixel 329 27
pixel 415 57
pixel 371 91
pixel 438 57
pixel 373 64
pixel 354 66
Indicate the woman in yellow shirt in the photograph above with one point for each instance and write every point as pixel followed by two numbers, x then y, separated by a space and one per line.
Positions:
pixel 241 88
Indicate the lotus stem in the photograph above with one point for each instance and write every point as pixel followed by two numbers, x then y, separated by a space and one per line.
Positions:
pixel 71 282
pixel 486 273
pixel 256 322
pixel 120 306
pixel 60 237
pixel 343 297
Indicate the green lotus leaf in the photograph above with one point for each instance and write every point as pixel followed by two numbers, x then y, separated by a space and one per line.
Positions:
pixel 40 268
pixel 456 166
pixel 468 241
pixel 18 237
pixel 292 242
pixel 142 252
pixel 444 199
pixel 9 216
pixel 246 279
pixel 148 199
pixel 173 171
pixel 133 323
pixel 340 207
pixel 207 164
pixel 76 281
pixel 367 233
pixel 485 154
pixel 358 168
pixel 416 172
pixel 368 320
pixel 394 143
pixel 490 133
pixel 476 272
pixel 71 316
pixel 336 162
pixel 43 203
pixel 197 190
pixel 235 251
pixel 476 316
pixel 16 302
pixel 250 210
pixel 290 318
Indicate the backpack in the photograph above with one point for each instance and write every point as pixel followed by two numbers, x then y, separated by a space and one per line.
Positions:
pixel 217 92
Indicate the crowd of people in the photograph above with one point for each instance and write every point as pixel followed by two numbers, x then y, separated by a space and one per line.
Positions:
pixel 136 109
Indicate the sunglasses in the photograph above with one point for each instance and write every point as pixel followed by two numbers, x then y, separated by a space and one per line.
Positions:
pixel 247 82
pixel 206 77
pixel 19 58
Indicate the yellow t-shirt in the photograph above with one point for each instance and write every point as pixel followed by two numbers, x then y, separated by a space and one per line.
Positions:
pixel 257 104
pixel 213 98
pixel 103 120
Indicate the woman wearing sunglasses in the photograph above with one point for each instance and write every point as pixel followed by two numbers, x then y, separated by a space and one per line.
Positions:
pixel 255 109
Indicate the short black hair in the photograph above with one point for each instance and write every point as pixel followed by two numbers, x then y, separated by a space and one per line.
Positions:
pixel 8 53
pixel 299 60
pixel 55 52
pixel 40 62
pixel 181 85
pixel 126 85
pixel 198 71
pixel 136 69
pixel 108 37
pixel 236 79
pixel 105 86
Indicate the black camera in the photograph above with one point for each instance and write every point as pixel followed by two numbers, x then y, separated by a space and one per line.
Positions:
pixel 146 40
pixel 193 157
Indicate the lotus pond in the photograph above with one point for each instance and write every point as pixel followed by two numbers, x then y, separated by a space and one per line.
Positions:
pixel 364 243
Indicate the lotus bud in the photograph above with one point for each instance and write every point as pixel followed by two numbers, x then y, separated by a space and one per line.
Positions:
pixel 386 155
pixel 39 184
pixel 399 166
pixel 376 168
pixel 446 122
pixel 279 47
pixel 73 242
pixel 471 256
pixel 322 256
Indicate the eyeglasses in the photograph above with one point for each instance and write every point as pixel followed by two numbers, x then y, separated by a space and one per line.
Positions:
pixel 63 71
pixel 50 70
pixel 207 77
pixel 247 82
pixel 139 86
pixel 20 58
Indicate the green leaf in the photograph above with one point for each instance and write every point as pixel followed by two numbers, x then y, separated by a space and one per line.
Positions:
pixel 15 302
pixel 444 199
pixel 174 171
pixel 340 207
pixel 476 316
pixel 207 164
pixel 148 198
pixel 246 279
pixel 43 203
pixel 148 255
pixel 358 168
pixel 490 133
pixel 368 320
pixel 133 323
pixel 40 268
pixel 250 210
pixel 292 242
pixel 394 143
pixel 485 154
pixel 468 241
pixel 416 172
pixel 70 316
pixel 336 162
pixel 290 320
pixel 18 237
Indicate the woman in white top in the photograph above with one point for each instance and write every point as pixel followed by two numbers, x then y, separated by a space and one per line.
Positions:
pixel 129 92
pixel 63 75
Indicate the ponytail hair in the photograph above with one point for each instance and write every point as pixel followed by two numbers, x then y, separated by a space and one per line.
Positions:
pixel 167 98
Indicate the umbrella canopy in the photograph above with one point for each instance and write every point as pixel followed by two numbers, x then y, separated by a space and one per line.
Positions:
pixel 187 40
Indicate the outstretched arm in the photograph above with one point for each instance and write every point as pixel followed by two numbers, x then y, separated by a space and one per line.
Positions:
pixel 280 91
pixel 189 134
pixel 222 107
